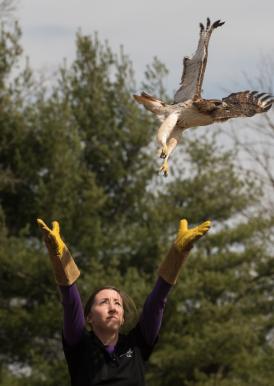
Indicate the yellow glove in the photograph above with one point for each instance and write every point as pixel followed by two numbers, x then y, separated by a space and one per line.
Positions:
pixel 186 237
pixel 65 270
pixel 170 268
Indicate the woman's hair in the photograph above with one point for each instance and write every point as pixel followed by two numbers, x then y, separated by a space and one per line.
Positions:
pixel 129 306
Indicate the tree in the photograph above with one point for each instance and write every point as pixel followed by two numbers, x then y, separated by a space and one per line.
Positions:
pixel 255 140
pixel 7 8
pixel 56 164
pixel 219 334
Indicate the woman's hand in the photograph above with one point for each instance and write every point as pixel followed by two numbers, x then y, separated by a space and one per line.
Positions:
pixel 52 238
pixel 65 270
pixel 170 268
pixel 187 237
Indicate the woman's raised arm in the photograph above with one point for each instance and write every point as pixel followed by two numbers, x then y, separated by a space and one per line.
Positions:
pixel 152 314
pixel 66 273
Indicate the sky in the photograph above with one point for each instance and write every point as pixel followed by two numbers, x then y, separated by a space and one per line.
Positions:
pixel 148 28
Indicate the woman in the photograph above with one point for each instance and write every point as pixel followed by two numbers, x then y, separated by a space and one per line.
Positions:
pixel 103 356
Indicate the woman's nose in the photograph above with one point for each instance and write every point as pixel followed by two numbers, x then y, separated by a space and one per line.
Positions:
pixel 112 307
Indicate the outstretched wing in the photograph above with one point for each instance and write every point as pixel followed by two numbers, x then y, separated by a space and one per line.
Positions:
pixel 243 104
pixel 194 68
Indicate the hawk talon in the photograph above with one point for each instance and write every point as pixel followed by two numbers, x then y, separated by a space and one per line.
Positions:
pixel 164 168
pixel 163 152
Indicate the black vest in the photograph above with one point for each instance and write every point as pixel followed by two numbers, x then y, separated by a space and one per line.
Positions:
pixel 90 364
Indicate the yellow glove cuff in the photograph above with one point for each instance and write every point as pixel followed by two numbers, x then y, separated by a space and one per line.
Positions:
pixel 170 268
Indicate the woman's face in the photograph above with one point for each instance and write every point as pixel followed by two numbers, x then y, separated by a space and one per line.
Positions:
pixel 107 311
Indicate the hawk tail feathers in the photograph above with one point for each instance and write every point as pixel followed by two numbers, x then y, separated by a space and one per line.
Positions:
pixel 150 103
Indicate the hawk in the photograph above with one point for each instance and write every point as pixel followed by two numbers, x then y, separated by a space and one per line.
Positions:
pixel 189 109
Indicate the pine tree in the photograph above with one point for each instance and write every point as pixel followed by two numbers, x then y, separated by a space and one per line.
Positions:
pixel 218 320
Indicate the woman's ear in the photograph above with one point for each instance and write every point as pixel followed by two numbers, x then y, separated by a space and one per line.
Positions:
pixel 89 319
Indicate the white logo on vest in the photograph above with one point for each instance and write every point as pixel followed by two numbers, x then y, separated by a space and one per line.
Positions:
pixel 128 354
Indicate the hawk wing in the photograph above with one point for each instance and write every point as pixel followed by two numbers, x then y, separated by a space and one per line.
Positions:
pixel 242 104
pixel 194 68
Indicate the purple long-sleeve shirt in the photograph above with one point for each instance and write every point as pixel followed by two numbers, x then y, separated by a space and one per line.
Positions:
pixel 150 318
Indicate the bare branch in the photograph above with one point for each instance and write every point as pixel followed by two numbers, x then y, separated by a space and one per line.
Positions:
pixel 7 8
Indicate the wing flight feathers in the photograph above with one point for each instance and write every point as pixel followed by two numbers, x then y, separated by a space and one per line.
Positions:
pixel 243 104
pixel 194 67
